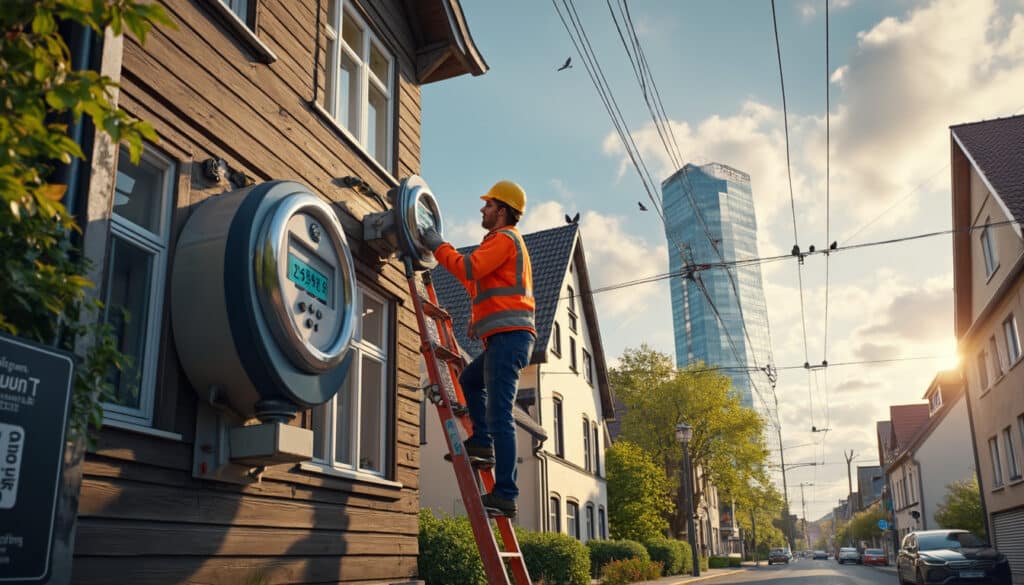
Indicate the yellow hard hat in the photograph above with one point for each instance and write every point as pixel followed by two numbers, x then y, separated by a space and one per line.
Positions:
pixel 508 193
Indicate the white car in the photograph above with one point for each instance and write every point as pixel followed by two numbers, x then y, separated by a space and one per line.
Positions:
pixel 848 554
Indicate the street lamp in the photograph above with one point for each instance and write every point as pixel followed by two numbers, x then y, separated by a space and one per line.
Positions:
pixel 684 433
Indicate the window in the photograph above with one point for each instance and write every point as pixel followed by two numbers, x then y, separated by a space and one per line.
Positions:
pixel 597 451
pixel 556 339
pixel 988 249
pixel 555 514
pixel 572 354
pixel 590 521
pixel 133 282
pixel 935 402
pixel 1012 465
pixel 995 365
pixel 350 431
pixel 572 519
pixel 245 10
pixel 982 371
pixel 586 445
pixel 360 87
pixel 601 526
pixel 588 374
pixel 557 420
pixel 997 467
pixel 572 309
pixel 1012 340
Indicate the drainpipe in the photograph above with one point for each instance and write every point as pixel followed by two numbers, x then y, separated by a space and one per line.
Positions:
pixel 920 489
pixel 977 468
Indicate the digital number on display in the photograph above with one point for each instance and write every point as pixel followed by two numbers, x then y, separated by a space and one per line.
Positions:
pixel 308 278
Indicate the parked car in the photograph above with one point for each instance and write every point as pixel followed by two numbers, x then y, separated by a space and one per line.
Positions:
pixel 820 555
pixel 779 555
pixel 874 556
pixel 944 556
pixel 848 554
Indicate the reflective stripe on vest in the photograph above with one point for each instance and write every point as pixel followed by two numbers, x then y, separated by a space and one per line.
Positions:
pixel 510 318
pixel 503 320
pixel 518 288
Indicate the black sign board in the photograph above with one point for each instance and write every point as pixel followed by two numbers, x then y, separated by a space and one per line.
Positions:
pixel 35 395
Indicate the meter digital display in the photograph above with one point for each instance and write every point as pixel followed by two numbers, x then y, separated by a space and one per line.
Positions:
pixel 309 279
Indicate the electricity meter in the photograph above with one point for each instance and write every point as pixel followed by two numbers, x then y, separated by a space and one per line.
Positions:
pixel 415 209
pixel 263 300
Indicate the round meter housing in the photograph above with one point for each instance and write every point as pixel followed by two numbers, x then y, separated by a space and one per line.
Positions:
pixel 416 210
pixel 263 300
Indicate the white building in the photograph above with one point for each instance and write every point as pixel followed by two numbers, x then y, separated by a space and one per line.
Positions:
pixel 563 401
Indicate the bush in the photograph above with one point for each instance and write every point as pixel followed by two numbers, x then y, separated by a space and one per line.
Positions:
pixel 626 571
pixel 674 555
pixel 735 562
pixel 603 552
pixel 718 562
pixel 448 552
pixel 703 563
pixel 555 559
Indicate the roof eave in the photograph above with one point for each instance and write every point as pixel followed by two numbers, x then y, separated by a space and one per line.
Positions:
pixel 454 55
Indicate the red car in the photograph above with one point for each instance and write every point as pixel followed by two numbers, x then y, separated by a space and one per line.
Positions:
pixel 874 556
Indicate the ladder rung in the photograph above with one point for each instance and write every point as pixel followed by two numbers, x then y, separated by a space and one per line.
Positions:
pixel 443 353
pixel 510 555
pixel 433 310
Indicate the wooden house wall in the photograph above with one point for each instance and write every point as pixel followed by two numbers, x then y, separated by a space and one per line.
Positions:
pixel 143 518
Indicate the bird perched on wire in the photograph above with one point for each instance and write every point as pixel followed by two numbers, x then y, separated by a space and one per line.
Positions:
pixel 566 65
pixel 642 208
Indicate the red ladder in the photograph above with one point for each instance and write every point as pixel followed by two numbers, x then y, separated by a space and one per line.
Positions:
pixel 444 363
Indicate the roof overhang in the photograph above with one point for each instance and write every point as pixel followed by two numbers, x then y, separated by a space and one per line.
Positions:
pixel 444 45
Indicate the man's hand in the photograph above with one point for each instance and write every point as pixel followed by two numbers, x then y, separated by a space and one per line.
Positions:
pixel 431 239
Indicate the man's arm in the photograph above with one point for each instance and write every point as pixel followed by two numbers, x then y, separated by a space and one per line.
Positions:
pixel 491 254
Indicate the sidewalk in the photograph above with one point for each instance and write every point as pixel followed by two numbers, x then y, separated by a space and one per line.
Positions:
pixel 705 574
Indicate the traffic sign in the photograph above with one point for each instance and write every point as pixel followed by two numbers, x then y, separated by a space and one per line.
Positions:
pixel 882 524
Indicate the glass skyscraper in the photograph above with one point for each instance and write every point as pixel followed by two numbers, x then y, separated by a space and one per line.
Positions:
pixel 705 204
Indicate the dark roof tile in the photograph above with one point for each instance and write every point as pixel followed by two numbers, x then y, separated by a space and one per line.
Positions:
pixel 997 149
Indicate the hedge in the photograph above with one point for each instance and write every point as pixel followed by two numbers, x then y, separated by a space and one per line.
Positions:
pixel 626 571
pixel 674 555
pixel 603 552
pixel 554 558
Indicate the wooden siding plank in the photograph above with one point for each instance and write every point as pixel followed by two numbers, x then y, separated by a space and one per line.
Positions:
pixel 134 501
pixel 127 538
pixel 241 570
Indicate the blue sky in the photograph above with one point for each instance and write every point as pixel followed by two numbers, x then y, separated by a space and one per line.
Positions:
pixel 901 73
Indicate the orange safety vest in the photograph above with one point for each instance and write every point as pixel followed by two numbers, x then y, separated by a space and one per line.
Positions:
pixel 499 278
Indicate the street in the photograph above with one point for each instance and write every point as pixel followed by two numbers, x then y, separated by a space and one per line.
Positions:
pixel 809 572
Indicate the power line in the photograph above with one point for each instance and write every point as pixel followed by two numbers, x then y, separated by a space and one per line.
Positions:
pixel 828 209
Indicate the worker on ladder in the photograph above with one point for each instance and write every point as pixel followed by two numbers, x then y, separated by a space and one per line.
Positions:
pixel 499 279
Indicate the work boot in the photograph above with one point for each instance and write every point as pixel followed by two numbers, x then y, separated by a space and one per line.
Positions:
pixel 499 506
pixel 479 455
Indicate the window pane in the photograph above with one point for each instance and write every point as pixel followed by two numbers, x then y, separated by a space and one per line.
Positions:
pixel 138 192
pixel 343 421
pixel 127 300
pixel 352 34
pixel 319 426
pixel 240 8
pixel 371 433
pixel 373 321
pixel 348 95
pixel 379 64
pixel 377 125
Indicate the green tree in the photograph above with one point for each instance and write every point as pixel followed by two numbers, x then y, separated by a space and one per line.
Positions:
pixel 863 526
pixel 637 493
pixel 727 445
pixel 757 503
pixel 43 292
pixel 961 508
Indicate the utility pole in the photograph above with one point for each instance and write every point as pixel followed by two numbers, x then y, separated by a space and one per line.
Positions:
pixel 803 508
pixel 773 376
pixel 849 482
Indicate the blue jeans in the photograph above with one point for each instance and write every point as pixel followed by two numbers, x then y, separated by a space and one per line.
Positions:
pixel 489 383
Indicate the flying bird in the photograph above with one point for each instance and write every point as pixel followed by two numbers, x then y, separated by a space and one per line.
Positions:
pixel 642 208
pixel 566 65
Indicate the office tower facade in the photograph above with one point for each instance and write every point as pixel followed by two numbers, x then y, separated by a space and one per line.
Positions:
pixel 707 207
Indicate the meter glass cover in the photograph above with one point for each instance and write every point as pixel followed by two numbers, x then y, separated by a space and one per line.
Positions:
pixel 308 278
pixel 425 217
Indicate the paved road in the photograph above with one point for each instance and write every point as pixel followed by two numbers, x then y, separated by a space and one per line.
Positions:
pixel 809 572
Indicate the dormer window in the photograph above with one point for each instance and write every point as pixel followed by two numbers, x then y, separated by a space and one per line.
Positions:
pixel 935 402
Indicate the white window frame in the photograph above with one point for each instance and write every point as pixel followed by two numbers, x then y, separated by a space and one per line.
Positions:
pixel 590 521
pixel 361 348
pixel 573 317
pixel 988 249
pixel 995 364
pixel 336 46
pixel 935 402
pixel 1012 463
pixel 239 8
pixel 588 367
pixel 587 461
pixel 1012 338
pixel 554 513
pixel 573 365
pixel 982 366
pixel 572 519
pixel 156 245
pixel 556 339
pixel 558 421
pixel 602 523
pixel 997 464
